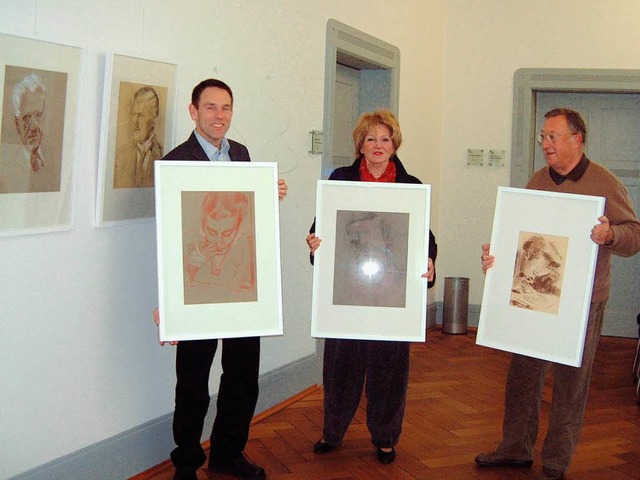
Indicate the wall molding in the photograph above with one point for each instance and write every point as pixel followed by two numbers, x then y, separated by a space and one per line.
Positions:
pixel 435 310
pixel 149 444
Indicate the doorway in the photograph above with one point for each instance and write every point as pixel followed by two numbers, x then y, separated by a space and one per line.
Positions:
pixel 361 74
pixel 609 101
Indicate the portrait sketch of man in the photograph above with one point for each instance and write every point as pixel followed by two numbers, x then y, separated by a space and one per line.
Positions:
pixel 371 259
pixel 218 239
pixel 538 272
pixel 139 134
pixel 33 109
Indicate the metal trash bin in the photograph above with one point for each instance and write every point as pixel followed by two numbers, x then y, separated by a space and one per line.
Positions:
pixel 455 312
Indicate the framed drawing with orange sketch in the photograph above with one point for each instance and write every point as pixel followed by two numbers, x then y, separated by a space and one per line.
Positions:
pixel 218 250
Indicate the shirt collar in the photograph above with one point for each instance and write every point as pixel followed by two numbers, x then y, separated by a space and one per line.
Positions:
pixel 574 175
pixel 214 153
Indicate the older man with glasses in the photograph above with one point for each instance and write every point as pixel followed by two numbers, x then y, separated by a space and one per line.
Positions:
pixel 568 170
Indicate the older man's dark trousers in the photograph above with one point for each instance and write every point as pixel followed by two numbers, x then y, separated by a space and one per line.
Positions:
pixel 236 402
pixel 385 365
pixel 523 396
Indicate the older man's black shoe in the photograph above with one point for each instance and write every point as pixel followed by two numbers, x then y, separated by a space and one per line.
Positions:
pixel 495 459
pixel 239 467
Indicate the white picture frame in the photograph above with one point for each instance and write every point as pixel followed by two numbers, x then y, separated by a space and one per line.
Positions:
pixel 350 216
pixel 37 175
pixel 224 302
pixel 125 174
pixel 543 314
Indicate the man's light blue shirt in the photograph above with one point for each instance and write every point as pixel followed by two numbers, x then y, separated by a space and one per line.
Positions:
pixel 213 153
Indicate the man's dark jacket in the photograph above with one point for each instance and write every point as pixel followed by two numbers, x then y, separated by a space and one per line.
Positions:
pixel 191 150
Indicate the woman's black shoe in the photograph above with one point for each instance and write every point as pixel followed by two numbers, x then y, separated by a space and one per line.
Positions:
pixel 386 457
pixel 323 447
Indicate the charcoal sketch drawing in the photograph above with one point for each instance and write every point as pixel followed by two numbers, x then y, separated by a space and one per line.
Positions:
pixel 538 272
pixel 371 258
pixel 139 143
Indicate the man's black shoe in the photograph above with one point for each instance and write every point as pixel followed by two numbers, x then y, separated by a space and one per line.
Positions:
pixel 185 473
pixel 386 457
pixel 238 467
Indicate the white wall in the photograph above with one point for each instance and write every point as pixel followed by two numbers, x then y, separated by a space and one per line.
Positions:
pixel 486 42
pixel 80 360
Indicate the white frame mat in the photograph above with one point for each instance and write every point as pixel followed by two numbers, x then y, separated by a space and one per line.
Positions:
pixel 39 200
pixel 182 321
pixel 366 321
pixel 123 74
pixel 552 326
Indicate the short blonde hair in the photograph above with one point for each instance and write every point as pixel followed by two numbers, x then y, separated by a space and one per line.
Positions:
pixel 367 120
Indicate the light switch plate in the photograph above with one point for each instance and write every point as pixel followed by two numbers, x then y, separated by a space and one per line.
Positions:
pixel 316 142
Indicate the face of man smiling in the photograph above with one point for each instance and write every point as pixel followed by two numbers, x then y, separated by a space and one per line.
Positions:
pixel 566 151
pixel 213 114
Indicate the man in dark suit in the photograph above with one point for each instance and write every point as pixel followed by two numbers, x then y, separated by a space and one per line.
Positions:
pixel 211 109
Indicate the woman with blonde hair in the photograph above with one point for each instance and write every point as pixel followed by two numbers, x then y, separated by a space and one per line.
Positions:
pixel 384 364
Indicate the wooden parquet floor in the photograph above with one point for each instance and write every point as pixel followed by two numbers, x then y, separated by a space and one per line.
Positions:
pixel 454 411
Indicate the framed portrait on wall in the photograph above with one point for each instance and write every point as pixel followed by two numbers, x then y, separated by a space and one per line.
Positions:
pixel 138 113
pixel 367 273
pixel 218 240
pixel 39 105
pixel 537 295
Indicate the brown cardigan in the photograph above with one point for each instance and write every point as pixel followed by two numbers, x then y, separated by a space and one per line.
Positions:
pixel 599 181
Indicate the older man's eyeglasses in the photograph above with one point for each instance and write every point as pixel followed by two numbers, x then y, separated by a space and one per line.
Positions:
pixel 551 137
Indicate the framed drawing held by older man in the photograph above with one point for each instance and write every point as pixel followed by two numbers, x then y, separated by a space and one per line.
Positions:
pixel 536 297
pixel 367 276
pixel 39 105
pixel 218 249
pixel 138 112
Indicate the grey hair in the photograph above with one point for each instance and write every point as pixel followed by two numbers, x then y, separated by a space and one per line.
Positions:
pixel 31 83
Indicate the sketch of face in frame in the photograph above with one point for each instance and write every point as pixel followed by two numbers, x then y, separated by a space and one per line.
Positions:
pixel 30 117
pixel 538 272
pixel 371 258
pixel 370 239
pixel 32 130
pixel 219 258
pixel 144 113
pixel 222 215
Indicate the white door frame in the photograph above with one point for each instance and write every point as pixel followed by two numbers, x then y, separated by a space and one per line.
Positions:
pixel 528 81
pixel 378 62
